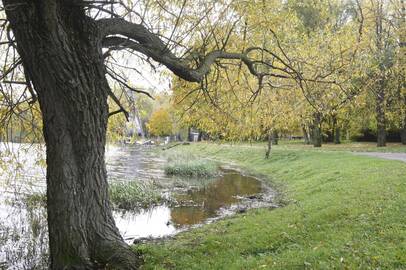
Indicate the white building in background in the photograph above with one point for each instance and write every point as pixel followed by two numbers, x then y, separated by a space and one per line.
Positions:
pixel 194 136
pixel 134 126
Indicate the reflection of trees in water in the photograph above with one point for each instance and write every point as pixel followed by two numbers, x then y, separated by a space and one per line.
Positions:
pixel 188 215
pixel 24 237
pixel 208 200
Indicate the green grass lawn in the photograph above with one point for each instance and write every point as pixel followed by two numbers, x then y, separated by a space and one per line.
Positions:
pixel 343 211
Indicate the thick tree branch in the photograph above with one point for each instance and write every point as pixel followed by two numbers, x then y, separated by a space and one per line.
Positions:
pixel 140 39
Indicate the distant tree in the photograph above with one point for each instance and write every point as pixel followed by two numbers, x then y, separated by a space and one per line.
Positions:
pixel 160 123
pixel 383 35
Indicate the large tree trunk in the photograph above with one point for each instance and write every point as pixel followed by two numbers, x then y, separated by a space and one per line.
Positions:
pixel 55 41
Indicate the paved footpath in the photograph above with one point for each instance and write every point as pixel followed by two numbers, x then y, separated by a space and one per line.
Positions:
pixel 393 156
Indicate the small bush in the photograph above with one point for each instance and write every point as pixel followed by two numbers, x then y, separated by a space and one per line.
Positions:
pixel 192 168
pixel 129 195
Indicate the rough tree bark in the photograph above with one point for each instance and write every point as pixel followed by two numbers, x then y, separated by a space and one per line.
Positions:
pixel 57 46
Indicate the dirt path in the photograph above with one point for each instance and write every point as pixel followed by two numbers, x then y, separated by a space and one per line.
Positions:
pixel 392 156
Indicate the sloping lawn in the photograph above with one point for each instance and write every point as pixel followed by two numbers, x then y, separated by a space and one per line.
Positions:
pixel 342 211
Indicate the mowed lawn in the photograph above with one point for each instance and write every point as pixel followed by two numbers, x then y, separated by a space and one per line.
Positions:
pixel 340 211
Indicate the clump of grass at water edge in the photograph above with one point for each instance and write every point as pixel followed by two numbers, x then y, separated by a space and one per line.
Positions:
pixel 190 166
pixel 123 195
pixel 129 195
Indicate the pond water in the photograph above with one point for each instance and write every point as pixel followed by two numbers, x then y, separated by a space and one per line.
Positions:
pixel 194 206
pixel 23 235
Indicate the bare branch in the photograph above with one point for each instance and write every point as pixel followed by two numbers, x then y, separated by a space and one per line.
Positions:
pixel 117 101
pixel 122 82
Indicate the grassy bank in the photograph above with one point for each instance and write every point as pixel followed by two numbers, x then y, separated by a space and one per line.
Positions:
pixel 345 212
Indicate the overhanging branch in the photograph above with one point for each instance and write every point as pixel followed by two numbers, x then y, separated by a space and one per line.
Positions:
pixel 140 39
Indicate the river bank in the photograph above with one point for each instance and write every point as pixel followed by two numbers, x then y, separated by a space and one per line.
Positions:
pixel 343 211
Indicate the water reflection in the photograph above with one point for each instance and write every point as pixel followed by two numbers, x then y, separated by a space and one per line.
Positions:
pixel 222 192
pixel 134 162
pixel 195 207
pixel 208 200
pixel 147 223
pixel 23 237
pixel 188 215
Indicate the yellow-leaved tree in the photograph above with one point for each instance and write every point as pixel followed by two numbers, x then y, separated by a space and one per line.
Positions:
pixel 160 123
